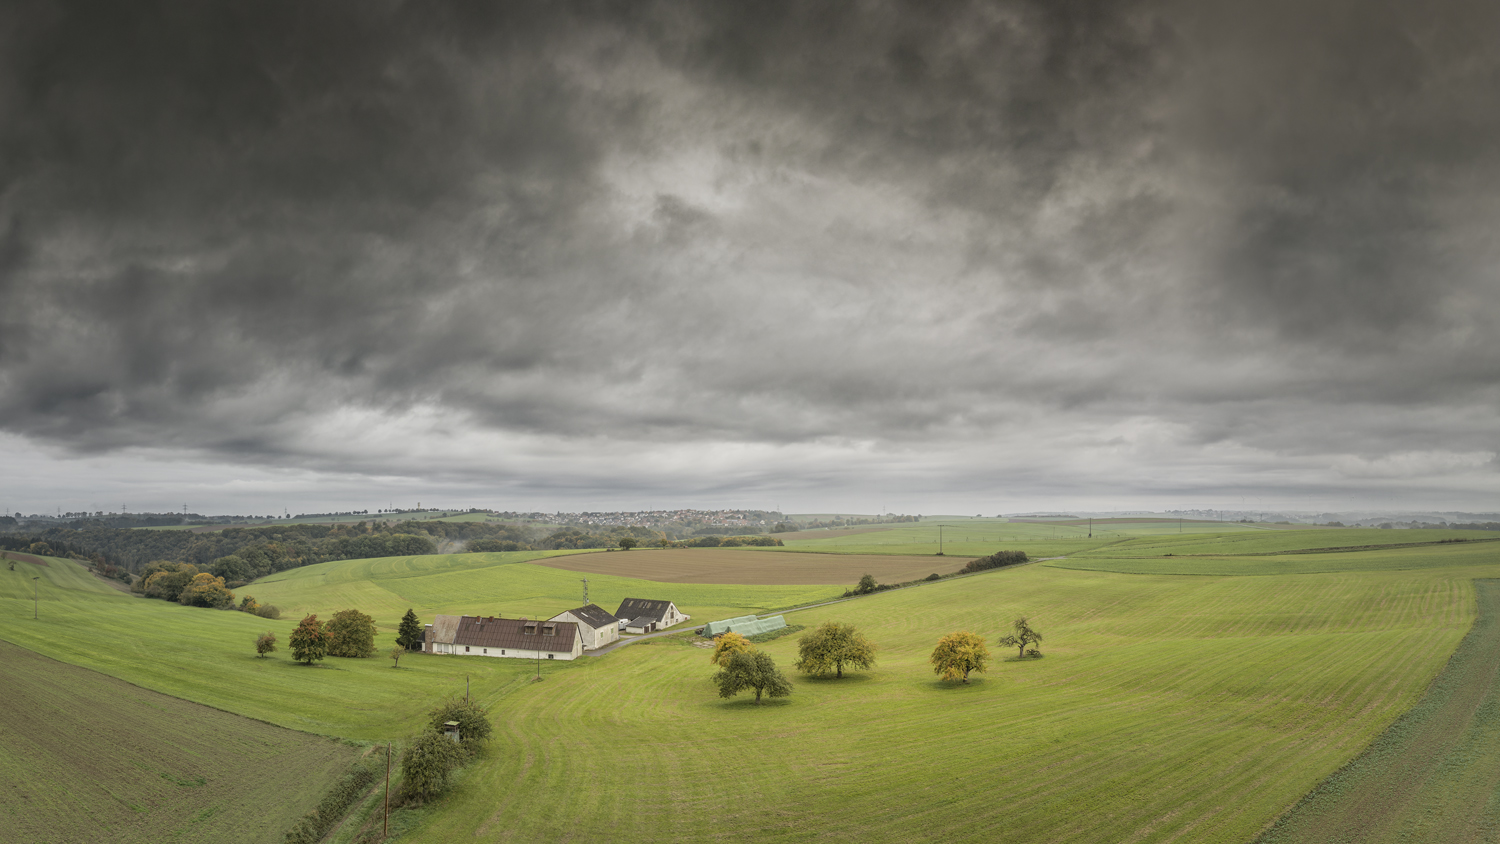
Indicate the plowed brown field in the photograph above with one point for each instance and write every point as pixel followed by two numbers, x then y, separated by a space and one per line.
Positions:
pixel 86 757
pixel 736 565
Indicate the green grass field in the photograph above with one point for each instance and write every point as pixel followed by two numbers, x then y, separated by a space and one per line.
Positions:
pixel 1434 776
pixel 971 537
pixel 86 757
pixel 1167 707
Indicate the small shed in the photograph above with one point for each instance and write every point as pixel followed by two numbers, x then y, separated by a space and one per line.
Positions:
pixel 450 729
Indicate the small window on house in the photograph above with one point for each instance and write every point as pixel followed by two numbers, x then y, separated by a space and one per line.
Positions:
pixel 549 656
pixel 466 648
pixel 486 650
pixel 502 651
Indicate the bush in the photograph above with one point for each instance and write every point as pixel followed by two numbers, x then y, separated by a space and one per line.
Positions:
pixel 473 722
pixel 315 824
pixel 933 576
pixel 268 611
pixel 427 764
pixel 999 559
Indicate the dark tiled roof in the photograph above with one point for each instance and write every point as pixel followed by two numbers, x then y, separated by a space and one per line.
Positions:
pixel 595 616
pixel 639 609
pixel 511 633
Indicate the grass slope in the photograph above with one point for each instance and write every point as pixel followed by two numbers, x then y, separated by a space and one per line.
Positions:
pixel 89 758
pixel 506 584
pixel 209 657
pixel 1373 559
pixel 1167 708
pixel 1434 776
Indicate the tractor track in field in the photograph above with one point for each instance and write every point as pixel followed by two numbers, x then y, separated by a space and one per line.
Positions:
pixel 1432 776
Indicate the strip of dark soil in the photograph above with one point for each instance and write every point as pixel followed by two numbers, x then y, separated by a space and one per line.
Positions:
pixel 25 558
pixel 1433 775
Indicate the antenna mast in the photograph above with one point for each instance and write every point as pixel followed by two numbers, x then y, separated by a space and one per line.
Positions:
pixel 585 591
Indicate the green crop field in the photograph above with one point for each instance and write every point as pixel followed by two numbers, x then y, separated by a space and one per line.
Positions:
pixel 971 537
pixel 1167 707
pixel 86 757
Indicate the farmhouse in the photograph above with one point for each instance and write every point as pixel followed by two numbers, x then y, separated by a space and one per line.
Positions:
pixel 517 638
pixel 639 615
pixel 597 627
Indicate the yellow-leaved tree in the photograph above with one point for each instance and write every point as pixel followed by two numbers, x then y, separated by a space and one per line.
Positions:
pixel 727 645
pixel 959 653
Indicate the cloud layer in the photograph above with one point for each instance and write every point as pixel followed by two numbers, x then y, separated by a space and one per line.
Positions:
pixel 961 252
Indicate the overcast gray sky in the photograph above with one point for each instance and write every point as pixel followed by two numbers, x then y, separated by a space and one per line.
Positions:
pixel 927 257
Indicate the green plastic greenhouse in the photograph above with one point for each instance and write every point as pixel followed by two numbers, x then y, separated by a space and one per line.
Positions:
pixel 745 625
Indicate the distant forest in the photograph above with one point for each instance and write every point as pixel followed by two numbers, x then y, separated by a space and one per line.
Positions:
pixel 242 554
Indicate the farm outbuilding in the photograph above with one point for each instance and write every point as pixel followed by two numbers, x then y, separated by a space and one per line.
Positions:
pixel 745 625
pixel 513 638
pixel 597 627
pixel 643 615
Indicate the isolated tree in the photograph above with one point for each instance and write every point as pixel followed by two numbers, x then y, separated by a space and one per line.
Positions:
pixel 957 654
pixel 830 646
pixel 473 721
pixel 427 763
pixel 866 585
pixel 265 643
pixel 409 634
pixel 728 645
pixel 1023 636
pixel 309 640
pixel 396 654
pixel 351 633
pixel 753 670
pixel 627 542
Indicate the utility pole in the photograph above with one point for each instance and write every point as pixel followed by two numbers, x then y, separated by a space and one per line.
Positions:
pixel 387 831
pixel 35 601
pixel 940 540
pixel 585 591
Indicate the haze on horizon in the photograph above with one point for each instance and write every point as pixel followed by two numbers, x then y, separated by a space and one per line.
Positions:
pixel 917 257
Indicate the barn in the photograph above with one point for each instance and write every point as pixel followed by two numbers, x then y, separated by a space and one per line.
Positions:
pixel 597 627
pixel 514 638
pixel 643 615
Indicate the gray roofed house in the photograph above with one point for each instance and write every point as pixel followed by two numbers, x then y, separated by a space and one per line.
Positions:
pixel 642 615
pixel 597 627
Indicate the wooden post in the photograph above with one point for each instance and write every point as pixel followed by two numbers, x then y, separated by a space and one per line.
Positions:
pixel 387 830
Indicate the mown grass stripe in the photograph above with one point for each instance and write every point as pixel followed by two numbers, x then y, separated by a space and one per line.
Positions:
pixel 1431 776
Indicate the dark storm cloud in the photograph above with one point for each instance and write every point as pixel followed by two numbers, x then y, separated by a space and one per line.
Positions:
pixel 232 229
